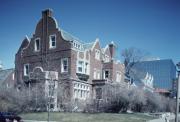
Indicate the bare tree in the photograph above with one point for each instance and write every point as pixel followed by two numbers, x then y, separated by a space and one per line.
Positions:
pixel 131 57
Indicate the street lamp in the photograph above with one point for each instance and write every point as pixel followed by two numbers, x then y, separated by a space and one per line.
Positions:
pixel 177 97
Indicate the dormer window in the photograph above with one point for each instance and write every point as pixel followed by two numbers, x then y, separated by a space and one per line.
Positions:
pixel 52 41
pixel 77 45
pixel 37 44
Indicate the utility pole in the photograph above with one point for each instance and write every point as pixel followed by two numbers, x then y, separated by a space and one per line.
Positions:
pixel 177 97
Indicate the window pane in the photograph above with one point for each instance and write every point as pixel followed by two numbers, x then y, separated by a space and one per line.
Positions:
pixel 53 43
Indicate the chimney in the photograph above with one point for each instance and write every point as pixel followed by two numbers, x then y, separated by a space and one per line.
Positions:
pixel 112 49
pixel 47 13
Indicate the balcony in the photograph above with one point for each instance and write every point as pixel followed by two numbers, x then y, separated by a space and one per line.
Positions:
pixel 83 77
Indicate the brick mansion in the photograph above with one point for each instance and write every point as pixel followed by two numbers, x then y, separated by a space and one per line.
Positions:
pixel 54 57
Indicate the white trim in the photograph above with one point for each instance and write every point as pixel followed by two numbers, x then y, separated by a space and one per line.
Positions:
pixel 80 66
pixel 55 22
pixel 38 67
pixel 104 49
pixel 35 45
pixel 81 90
pixel 25 72
pixel 50 41
pixel 120 76
pixel 94 73
pixel 84 60
pixel 62 65
pixel 106 58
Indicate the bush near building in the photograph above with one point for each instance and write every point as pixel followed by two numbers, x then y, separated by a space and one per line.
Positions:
pixel 122 99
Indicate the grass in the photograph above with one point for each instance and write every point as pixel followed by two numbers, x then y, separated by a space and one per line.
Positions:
pixel 84 117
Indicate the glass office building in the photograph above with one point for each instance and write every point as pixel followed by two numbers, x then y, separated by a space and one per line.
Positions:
pixel 163 71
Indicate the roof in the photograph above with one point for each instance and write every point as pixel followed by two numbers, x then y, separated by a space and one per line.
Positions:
pixel 158 61
pixel 159 90
pixel 88 45
pixel 67 36
pixel 4 74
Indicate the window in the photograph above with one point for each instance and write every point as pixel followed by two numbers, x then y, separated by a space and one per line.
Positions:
pixel 86 70
pixel 94 74
pixel 75 93
pixel 26 69
pixel 106 74
pixel 97 54
pixel 52 41
pixel 81 92
pixel 37 44
pixel 51 106
pixel 77 45
pixel 64 65
pixel 98 74
pixel 80 66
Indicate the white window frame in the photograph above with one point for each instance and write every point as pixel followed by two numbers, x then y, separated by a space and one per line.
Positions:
pixel 98 74
pixel 94 74
pixel 35 45
pixel 50 41
pixel 86 68
pixel 97 54
pixel 62 65
pixel 26 69
pixel 82 91
pixel 78 65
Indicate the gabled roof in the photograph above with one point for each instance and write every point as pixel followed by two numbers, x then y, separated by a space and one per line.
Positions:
pixel 4 74
pixel 104 49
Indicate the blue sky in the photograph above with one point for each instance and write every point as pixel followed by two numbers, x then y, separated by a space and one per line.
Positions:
pixel 151 25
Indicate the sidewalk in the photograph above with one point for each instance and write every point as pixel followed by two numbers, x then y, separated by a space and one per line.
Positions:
pixel 36 121
pixel 170 118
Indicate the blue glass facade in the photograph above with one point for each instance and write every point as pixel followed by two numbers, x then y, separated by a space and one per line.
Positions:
pixel 163 71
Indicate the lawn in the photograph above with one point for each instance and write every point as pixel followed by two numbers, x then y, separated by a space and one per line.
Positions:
pixel 84 117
